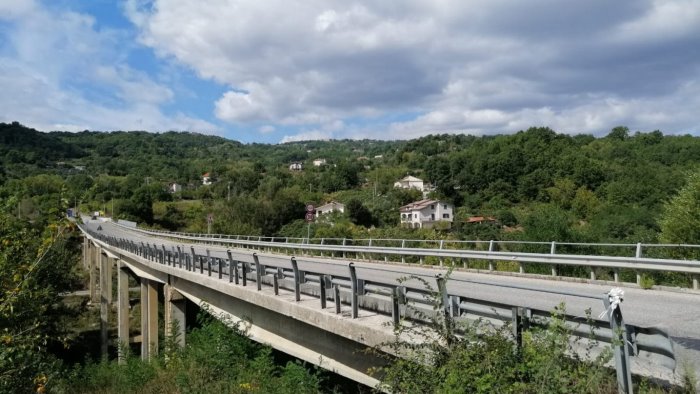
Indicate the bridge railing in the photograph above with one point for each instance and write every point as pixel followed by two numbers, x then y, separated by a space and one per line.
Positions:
pixel 491 256
pixel 399 298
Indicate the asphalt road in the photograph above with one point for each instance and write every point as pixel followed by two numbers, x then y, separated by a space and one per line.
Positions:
pixel 677 312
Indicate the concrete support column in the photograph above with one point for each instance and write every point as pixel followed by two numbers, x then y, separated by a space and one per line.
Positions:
pixel 149 318
pixel 122 310
pixel 175 312
pixel 104 304
pixel 86 251
pixel 94 259
pixel 111 263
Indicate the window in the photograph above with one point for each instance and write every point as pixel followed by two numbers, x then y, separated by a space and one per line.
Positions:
pixel 432 216
pixel 445 215
pixel 432 206
pixel 444 206
pixel 415 216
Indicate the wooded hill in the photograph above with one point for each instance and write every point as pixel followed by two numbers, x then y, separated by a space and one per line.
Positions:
pixel 538 184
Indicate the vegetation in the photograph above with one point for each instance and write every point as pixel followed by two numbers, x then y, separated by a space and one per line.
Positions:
pixel 536 184
pixel 446 356
pixel 37 263
pixel 218 358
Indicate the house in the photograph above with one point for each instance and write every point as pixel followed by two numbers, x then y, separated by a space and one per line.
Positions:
pixel 296 166
pixel 319 162
pixel 174 187
pixel 206 179
pixel 425 213
pixel 332 206
pixel 410 182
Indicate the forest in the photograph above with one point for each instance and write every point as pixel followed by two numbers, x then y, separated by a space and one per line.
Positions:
pixel 537 184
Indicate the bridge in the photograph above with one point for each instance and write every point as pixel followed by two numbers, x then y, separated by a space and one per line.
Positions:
pixel 326 303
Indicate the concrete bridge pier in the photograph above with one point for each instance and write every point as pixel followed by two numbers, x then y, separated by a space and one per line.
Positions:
pixel 105 300
pixel 122 310
pixel 175 315
pixel 149 318
pixel 93 258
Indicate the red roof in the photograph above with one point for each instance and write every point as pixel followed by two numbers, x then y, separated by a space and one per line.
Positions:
pixel 479 219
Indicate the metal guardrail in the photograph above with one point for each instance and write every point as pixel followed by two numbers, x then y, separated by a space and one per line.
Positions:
pixel 240 268
pixel 636 263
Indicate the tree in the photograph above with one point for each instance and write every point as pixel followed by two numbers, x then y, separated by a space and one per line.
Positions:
pixel 680 221
pixel 358 213
pixel 35 267
pixel 619 133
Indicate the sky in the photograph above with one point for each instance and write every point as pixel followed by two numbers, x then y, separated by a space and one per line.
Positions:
pixel 287 70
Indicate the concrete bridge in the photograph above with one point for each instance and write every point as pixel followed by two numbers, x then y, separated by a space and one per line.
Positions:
pixel 326 310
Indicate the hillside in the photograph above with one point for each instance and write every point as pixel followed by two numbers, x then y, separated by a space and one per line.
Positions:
pixel 538 184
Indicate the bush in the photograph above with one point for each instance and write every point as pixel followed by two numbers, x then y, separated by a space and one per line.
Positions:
pixel 218 358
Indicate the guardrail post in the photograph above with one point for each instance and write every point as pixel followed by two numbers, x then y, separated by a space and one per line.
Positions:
pixel 553 250
pixel 163 260
pixel 353 289
pixel 322 290
pixel 336 297
pixel 638 254
pixel 592 273
pixel 616 275
pixel 621 351
pixel 403 245
pixel 344 245
pixel 395 310
pixel 491 245
pixel 220 268
pixel 517 326
pixel 232 268
pixel 297 290
pixel 444 306
pixel 194 257
pixel 275 284
pixel 258 274
pixel 695 282
pixel 244 273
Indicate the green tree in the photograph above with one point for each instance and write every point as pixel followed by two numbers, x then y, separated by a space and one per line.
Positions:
pixel 358 213
pixel 35 267
pixel 680 221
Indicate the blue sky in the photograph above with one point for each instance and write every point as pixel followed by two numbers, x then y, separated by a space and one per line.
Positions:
pixel 286 70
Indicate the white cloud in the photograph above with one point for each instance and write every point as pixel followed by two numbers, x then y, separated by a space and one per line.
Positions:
pixel 60 72
pixel 11 9
pixel 314 135
pixel 663 21
pixel 341 68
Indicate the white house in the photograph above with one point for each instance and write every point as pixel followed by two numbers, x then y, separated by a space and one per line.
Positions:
pixel 410 182
pixel 174 187
pixel 296 166
pixel 425 213
pixel 206 179
pixel 319 162
pixel 330 207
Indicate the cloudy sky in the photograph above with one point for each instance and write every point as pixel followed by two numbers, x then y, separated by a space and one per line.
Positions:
pixel 285 70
